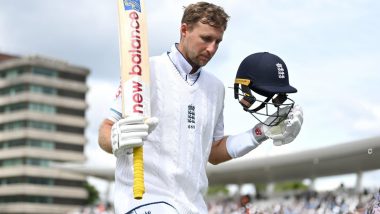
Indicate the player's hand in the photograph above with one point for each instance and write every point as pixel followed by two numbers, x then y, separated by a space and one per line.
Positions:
pixel 288 129
pixel 130 132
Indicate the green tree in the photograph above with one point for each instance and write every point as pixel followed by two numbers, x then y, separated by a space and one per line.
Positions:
pixel 290 185
pixel 93 194
pixel 213 190
pixel 260 187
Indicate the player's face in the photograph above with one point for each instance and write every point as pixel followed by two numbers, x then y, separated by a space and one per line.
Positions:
pixel 199 42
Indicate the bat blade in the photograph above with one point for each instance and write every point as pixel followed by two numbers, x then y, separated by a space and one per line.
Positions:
pixel 135 74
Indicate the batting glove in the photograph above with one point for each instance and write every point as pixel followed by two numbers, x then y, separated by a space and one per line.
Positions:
pixel 285 132
pixel 129 132
pixel 288 129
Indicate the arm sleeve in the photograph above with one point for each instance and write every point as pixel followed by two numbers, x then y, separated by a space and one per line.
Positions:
pixel 240 144
pixel 219 128
pixel 115 112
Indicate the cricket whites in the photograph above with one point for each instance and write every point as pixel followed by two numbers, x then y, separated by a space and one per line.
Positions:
pixel 135 77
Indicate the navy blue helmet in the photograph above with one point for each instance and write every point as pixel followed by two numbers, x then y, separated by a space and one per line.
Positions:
pixel 266 75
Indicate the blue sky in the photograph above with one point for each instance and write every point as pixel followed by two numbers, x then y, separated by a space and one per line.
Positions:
pixel 331 49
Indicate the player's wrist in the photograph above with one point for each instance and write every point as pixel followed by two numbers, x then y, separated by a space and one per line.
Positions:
pixel 240 144
pixel 258 132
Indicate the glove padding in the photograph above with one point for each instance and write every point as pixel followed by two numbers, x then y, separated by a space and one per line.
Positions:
pixel 129 132
pixel 287 130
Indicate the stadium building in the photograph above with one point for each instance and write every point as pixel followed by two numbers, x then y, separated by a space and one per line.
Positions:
pixel 42 121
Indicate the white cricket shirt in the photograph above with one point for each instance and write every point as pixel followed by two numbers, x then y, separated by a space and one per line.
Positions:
pixel 176 152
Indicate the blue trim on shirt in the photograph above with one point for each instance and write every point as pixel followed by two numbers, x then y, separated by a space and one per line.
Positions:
pixel 115 111
pixel 158 202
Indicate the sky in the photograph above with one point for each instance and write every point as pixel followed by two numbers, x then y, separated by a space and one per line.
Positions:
pixel 330 47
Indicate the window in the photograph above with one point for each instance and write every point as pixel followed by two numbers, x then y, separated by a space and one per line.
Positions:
pixel 37 162
pixel 40 181
pixel 70 129
pixel 71 94
pixel 76 112
pixel 25 161
pixel 41 199
pixel 12 90
pixel 13 107
pixel 71 76
pixel 13 143
pixel 39 107
pixel 42 89
pixel 13 125
pixel 44 72
pixel 12 73
pixel 41 144
pixel 12 162
pixel 41 125
pixel 27 124
pixel 45 108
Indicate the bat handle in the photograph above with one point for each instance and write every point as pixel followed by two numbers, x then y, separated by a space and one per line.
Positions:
pixel 138 176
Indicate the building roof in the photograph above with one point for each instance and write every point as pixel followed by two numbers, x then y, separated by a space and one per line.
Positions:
pixel 4 57
pixel 345 158
pixel 37 60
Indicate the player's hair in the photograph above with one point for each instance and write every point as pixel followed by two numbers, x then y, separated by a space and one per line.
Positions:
pixel 206 13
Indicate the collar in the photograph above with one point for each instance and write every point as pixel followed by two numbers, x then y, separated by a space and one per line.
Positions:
pixel 183 67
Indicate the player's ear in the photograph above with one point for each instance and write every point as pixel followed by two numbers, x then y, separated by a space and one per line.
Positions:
pixel 185 28
pixel 182 30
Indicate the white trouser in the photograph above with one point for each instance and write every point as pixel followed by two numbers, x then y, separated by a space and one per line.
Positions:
pixel 154 208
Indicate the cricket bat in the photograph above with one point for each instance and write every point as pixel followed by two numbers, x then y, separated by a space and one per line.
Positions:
pixel 135 76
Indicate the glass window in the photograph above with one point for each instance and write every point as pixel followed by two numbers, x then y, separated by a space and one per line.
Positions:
pixel 69 111
pixel 42 108
pixel 43 181
pixel 37 162
pixel 13 107
pixel 71 76
pixel 14 143
pixel 13 72
pixel 41 144
pixel 25 161
pixel 29 124
pixel 14 125
pixel 44 72
pixel 71 94
pixel 41 125
pixel 42 89
pixel 12 162
pixel 13 89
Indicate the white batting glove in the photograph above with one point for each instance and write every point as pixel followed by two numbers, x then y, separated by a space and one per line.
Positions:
pixel 287 130
pixel 129 132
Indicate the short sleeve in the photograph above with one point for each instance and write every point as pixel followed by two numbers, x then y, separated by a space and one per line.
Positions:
pixel 115 112
pixel 219 127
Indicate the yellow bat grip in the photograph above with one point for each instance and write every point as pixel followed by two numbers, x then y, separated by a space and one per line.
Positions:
pixel 138 176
